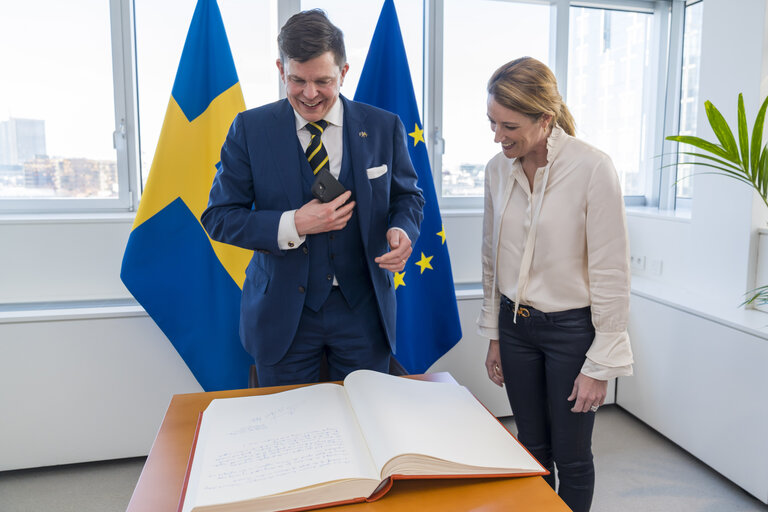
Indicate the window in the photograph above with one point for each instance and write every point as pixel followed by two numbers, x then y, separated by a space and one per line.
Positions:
pixel 608 53
pixel 610 59
pixel 58 107
pixel 69 112
pixel 689 95
pixel 478 37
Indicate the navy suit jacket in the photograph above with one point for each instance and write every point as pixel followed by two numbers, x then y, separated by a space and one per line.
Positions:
pixel 260 178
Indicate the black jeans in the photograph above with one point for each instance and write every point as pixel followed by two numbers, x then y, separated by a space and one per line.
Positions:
pixel 541 355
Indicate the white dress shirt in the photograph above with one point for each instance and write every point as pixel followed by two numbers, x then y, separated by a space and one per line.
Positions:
pixel 562 246
pixel 333 141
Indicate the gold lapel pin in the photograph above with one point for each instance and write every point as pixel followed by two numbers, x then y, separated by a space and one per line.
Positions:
pixel 363 134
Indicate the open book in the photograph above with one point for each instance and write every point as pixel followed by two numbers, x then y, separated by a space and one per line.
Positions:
pixel 328 444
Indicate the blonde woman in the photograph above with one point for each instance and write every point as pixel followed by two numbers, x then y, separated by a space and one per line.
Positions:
pixel 555 274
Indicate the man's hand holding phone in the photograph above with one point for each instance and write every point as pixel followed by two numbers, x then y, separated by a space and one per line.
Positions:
pixel 318 217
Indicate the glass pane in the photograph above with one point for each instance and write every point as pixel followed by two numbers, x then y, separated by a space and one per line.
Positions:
pixel 57 109
pixel 689 93
pixel 479 37
pixel 608 59
pixel 161 30
pixel 358 21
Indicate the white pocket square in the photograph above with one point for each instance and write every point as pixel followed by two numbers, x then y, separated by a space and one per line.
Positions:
pixel 375 172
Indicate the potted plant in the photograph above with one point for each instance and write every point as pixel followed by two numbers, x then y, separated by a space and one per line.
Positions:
pixel 744 161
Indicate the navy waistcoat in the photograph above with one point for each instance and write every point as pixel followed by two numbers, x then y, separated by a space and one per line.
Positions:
pixel 336 253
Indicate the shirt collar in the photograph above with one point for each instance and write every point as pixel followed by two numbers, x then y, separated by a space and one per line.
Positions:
pixel 335 116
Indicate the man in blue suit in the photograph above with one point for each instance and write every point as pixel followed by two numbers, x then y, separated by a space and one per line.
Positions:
pixel 321 278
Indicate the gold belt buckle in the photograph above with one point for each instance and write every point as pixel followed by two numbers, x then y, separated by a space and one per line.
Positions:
pixel 523 312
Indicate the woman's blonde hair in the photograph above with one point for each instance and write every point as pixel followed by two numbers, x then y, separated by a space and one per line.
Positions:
pixel 528 86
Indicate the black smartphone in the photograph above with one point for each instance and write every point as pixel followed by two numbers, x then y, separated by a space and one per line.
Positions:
pixel 326 187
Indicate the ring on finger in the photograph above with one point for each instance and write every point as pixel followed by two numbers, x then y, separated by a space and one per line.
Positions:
pixel 594 408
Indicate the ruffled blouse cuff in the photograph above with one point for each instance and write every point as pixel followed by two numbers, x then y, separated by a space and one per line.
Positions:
pixel 602 372
pixel 488 323
pixel 611 349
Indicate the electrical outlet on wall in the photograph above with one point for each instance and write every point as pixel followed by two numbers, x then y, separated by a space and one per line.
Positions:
pixel 655 266
pixel 637 263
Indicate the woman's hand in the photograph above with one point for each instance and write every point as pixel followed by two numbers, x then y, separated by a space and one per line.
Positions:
pixel 493 363
pixel 589 393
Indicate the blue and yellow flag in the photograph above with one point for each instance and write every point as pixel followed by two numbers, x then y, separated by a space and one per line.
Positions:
pixel 188 284
pixel 427 314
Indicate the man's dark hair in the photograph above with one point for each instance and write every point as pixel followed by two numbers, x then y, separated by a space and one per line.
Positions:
pixel 309 34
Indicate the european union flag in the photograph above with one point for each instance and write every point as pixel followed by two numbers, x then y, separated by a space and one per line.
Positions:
pixel 427 313
pixel 189 285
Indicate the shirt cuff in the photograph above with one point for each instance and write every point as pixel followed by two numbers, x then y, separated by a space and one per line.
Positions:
pixel 402 230
pixel 602 372
pixel 611 349
pixel 488 323
pixel 287 236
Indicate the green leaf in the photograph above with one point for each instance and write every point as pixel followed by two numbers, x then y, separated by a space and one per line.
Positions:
pixel 722 131
pixel 743 136
pixel 725 173
pixel 758 296
pixel 701 144
pixel 724 163
pixel 763 166
pixel 757 135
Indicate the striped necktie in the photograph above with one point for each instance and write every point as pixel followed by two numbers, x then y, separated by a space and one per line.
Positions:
pixel 316 154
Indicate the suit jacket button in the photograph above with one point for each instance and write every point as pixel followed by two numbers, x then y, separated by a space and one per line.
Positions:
pixel 304 249
pixel 301 289
pixel 329 277
pixel 290 244
pixel 330 236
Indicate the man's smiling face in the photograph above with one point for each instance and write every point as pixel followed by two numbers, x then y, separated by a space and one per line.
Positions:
pixel 313 86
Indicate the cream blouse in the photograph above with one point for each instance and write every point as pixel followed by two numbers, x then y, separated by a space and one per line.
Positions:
pixel 560 247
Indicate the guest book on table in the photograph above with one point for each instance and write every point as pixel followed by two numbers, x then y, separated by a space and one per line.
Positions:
pixel 329 444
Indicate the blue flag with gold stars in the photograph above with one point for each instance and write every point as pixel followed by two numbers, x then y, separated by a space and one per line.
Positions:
pixel 427 314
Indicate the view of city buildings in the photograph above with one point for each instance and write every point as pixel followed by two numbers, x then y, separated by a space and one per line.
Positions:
pixel 464 180
pixel 26 171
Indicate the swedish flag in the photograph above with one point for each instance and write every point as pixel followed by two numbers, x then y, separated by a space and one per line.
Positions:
pixel 427 313
pixel 188 284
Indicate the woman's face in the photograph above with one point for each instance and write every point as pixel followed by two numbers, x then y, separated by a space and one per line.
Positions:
pixel 518 134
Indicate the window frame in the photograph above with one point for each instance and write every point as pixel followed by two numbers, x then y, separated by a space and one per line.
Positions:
pixel 677 202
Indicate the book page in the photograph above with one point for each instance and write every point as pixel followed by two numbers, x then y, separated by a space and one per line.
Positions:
pixel 261 445
pixel 441 420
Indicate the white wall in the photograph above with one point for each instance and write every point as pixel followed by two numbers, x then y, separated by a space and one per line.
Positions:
pixel 79 388
pixel 62 258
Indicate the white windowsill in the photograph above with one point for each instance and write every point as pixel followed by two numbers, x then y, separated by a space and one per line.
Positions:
pixel 66 218
pixel 750 321
pixel 57 311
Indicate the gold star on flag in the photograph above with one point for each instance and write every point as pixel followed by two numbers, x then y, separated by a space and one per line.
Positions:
pixel 441 233
pixel 399 279
pixel 417 134
pixel 424 262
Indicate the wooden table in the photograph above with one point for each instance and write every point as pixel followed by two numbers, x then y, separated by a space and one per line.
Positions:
pixel 160 484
